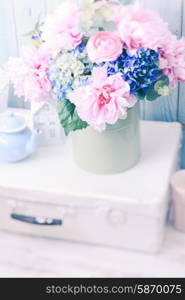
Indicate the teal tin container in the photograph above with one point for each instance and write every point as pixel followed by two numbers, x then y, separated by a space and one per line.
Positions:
pixel 114 150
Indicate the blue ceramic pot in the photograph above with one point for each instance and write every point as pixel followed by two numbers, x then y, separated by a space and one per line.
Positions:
pixel 17 141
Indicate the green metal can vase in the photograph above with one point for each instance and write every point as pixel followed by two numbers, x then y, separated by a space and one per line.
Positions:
pixel 114 150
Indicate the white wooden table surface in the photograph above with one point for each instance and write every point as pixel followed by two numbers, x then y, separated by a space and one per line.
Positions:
pixel 24 256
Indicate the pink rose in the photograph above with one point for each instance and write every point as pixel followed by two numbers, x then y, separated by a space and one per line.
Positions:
pixel 104 46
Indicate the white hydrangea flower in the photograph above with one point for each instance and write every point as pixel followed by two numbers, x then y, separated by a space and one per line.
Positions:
pixel 87 16
pixel 93 18
pixel 85 4
pixel 164 91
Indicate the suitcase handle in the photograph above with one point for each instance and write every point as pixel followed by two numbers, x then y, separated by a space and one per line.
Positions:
pixel 36 220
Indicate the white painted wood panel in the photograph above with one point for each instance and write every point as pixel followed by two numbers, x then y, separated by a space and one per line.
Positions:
pixel 27 13
pixel 181 108
pixel 8 35
pixel 8 39
pixel 181 111
pixel 51 5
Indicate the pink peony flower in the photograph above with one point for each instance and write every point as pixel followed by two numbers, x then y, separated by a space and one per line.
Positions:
pixel 139 28
pixel 172 61
pixel 104 101
pixel 29 74
pixel 61 29
pixel 104 46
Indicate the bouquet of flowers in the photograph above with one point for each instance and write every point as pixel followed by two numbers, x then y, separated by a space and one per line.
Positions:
pixel 98 58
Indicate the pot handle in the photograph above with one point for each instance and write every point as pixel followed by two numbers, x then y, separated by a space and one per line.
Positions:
pixel 44 221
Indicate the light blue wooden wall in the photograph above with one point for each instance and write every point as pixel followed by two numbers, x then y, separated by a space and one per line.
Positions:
pixel 19 16
pixel 170 108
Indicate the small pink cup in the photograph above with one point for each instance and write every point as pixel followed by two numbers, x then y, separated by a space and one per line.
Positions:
pixel 178 196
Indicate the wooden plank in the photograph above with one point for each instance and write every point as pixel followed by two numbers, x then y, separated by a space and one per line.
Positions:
pixel 8 38
pixel 181 108
pixel 182 152
pixel 26 15
pixel 165 108
pixel 51 5
pixel 169 10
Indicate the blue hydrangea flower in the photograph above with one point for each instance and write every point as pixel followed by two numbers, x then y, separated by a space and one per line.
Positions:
pixel 140 68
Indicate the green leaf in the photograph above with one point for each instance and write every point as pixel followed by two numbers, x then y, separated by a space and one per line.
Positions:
pixel 37 25
pixel 29 33
pixel 69 118
pixel 109 25
pixel 165 80
pixel 152 95
pixel 36 28
pixel 162 82
pixel 141 95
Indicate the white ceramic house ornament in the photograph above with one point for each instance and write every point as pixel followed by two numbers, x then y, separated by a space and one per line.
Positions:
pixel 45 120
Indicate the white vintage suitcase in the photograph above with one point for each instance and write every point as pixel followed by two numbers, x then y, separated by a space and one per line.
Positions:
pixel 47 195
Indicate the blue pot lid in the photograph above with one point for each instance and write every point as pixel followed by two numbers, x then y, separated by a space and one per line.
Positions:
pixel 11 122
